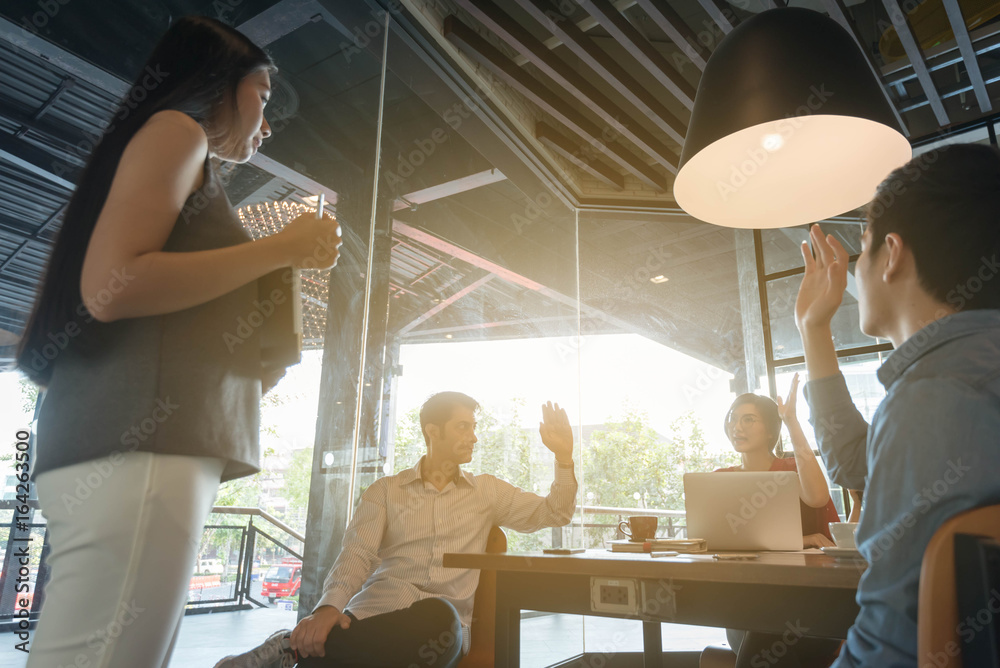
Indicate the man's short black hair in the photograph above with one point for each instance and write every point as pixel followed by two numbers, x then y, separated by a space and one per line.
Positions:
pixel 945 205
pixel 439 408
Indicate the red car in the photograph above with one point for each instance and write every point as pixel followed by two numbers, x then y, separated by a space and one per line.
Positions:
pixel 282 580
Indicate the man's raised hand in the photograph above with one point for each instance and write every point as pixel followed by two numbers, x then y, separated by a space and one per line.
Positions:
pixel 825 280
pixel 556 432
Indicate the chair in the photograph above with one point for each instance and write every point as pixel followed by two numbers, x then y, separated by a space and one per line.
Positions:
pixel 717 657
pixel 938 619
pixel 484 610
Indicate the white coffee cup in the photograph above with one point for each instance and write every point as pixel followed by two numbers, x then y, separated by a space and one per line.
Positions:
pixel 843 534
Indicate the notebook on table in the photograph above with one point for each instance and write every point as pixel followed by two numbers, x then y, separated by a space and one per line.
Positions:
pixel 658 545
pixel 744 511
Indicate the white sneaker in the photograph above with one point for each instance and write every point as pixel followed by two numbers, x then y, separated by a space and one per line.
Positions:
pixel 274 652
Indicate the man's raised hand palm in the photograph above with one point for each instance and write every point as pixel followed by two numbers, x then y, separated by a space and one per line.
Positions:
pixel 824 282
pixel 556 432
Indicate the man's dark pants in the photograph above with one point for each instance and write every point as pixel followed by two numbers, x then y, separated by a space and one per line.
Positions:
pixel 428 634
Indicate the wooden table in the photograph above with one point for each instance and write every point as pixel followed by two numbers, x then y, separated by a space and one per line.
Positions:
pixel 777 593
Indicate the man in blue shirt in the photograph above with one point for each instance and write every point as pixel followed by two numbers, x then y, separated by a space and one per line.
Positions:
pixel 928 281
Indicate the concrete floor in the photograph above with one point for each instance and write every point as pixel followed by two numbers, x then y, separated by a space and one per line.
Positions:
pixel 547 639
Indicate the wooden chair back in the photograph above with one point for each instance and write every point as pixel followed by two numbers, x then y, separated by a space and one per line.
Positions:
pixel 938 639
pixel 481 651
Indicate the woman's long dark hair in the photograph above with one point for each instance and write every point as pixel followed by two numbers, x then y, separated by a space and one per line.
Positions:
pixel 768 412
pixel 195 69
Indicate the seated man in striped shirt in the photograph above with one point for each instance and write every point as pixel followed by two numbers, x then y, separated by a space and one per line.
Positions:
pixel 388 601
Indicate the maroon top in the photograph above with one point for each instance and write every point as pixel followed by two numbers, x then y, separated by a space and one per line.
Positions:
pixel 814 520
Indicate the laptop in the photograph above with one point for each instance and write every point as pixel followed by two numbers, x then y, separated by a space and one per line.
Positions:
pixel 743 510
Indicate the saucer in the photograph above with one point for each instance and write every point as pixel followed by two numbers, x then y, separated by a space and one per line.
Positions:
pixel 842 552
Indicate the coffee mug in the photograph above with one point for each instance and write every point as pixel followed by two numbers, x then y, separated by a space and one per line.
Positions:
pixel 843 534
pixel 639 528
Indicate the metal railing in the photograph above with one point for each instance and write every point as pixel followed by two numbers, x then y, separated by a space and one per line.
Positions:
pixel 242 597
pixel 667 519
pixel 251 537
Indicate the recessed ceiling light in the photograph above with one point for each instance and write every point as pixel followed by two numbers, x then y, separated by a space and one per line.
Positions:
pixel 659 279
pixel 447 336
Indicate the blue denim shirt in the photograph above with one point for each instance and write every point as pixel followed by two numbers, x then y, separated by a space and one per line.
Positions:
pixel 932 451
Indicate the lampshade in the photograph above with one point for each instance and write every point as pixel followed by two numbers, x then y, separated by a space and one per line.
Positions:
pixel 789 126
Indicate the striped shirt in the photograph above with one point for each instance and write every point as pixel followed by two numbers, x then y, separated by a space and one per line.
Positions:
pixel 403 526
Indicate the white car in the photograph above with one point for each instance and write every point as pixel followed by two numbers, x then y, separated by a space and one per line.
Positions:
pixel 209 566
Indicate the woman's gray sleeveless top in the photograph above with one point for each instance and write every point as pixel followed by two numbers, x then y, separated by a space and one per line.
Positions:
pixel 184 383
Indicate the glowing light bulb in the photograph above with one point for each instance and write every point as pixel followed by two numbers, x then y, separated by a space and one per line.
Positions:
pixel 772 142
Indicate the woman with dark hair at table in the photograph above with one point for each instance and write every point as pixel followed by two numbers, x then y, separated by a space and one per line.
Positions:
pixel 753 425
pixel 148 404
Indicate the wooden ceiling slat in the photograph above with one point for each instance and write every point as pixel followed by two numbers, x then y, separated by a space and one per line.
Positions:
pixel 575 83
pixel 485 53
pixel 914 52
pixel 607 68
pixel 674 27
pixel 640 49
pixel 837 11
pixel 958 26
pixel 556 141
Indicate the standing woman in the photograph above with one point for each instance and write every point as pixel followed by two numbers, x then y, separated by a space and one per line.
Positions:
pixel 151 394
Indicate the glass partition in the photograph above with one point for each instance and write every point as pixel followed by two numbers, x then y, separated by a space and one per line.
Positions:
pixel 661 338
pixel 785 338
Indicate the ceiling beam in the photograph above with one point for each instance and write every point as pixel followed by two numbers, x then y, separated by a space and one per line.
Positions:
pixel 575 83
pixel 34 236
pixel 639 48
pixel 62 59
pixel 984 39
pixel 914 52
pixel 36 161
pixel 293 177
pixel 968 54
pixel 449 188
pixel 723 19
pixel 585 24
pixel 445 303
pixel 61 134
pixel 674 27
pixel 837 11
pixel 601 62
pixel 991 76
pixel 489 56
pixel 573 152
pixel 280 19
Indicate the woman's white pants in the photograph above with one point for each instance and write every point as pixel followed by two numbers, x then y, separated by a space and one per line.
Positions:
pixel 124 534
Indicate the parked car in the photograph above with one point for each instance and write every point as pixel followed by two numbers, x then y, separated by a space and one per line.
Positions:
pixel 209 567
pixel 282 580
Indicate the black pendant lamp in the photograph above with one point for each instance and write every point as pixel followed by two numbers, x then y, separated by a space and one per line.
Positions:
pixel 789 126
